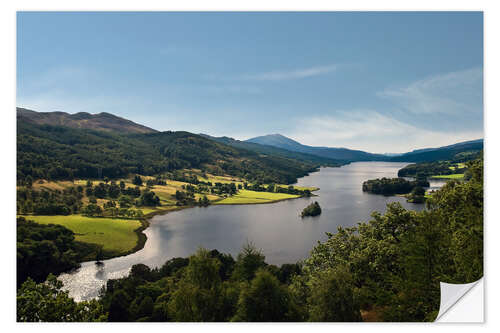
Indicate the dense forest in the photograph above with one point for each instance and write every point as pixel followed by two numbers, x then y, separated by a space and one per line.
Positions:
pixel 442 167
pixel 441 153
pixel 55 153
pixel 391 186
pixel 386 269
pixel 45 249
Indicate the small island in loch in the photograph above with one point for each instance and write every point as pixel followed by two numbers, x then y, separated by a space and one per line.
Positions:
pixel 312 210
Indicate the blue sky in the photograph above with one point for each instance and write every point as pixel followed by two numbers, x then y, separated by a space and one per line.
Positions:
pixel 381 82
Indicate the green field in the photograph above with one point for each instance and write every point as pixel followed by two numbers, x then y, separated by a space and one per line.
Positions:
pixel 252 197
pixel 458 165
pixel 116 236
pixel 301 188
pixel 452 176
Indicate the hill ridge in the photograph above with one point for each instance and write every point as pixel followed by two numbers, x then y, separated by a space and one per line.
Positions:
pixel 103 121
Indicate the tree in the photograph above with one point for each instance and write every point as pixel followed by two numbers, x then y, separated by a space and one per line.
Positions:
pixel 145 309
pixel 264 300
pixel 332 297
pixel 249 260
pixel 28 181
pixel 118 308
pixel 426 259
pixel 198 296
pixel 92 210
pixel 313 209
pixel 137 180
pixel 418 191
pixel 149 198
pixel 125 202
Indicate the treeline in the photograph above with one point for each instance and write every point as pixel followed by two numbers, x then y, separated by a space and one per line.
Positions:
pixel 391 186
pixel 388 269
pixel 428 169
pixel 55 153
pixel 448 167
pixel 186 178
pixel 54 202
pixel 69 200
pixel 272 188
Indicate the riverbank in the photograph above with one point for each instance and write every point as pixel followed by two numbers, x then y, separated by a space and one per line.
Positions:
pixel 118 237
pixel 268 200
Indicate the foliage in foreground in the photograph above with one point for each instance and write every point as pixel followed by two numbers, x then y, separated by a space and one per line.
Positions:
pixel 46 302
pixel 44 249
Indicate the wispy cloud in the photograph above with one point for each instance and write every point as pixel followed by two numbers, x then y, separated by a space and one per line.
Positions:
pixel 372 131
pixel 451 93
pixel 291 74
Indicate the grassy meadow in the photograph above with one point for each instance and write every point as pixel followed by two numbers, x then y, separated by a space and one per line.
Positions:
pixel 253 197
pixel 116 236
pixel 452 176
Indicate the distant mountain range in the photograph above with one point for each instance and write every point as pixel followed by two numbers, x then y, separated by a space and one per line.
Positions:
pixel 280 141
pixel 418 155
pixel 272 150
pixel 102 121
pixel 275 145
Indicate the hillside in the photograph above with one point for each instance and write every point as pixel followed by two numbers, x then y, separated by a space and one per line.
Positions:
pixel 280 141
pixel 59 152
pixel 271 150
pixel 102 121
pixel 440 153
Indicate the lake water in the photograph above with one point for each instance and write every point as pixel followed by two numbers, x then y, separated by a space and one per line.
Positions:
pixel 275 228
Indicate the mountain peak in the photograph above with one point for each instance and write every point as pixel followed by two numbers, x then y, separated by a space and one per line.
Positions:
pixel 102 121
pixel 275 139
pixel 281 141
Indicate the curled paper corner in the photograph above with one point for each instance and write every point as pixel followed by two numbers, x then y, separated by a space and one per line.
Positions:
pixel 461 302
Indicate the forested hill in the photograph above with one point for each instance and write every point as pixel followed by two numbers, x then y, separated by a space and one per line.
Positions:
pixel 280 141
pixel 102 121
pixel 58 152
pixel 441 153
pixel 271 150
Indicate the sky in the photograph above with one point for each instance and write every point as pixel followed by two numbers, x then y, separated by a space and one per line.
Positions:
pixel 376 81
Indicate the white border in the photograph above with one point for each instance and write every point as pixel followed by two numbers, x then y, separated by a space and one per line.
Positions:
pixel 7 88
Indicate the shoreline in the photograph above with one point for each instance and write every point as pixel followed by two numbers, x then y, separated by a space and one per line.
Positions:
pixel 146 222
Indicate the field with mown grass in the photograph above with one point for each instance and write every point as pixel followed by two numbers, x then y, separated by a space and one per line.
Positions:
pixel 452 176
pixel 116 236
pixel 253 197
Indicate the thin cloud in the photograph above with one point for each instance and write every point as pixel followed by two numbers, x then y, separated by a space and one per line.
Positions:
pixel 292 74
pixel 372 131
pixel 452 93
